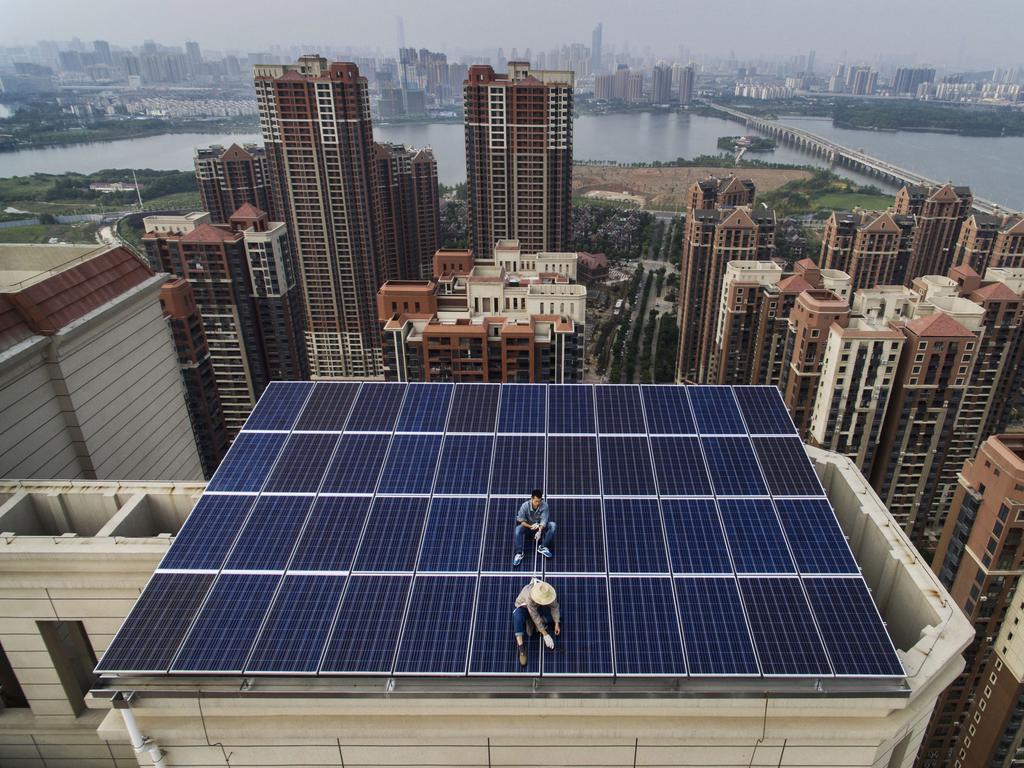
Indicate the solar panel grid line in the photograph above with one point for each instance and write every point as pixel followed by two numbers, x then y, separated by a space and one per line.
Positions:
pixel 271 389
pixel 770 399
pixel 447 623
pixel 728 549
pixel 349 392
pixel 291 557
pixel 664 534
pixel 796 565
pixel 424 532
pixel 358 545
pixel 185 637
pixel 604 525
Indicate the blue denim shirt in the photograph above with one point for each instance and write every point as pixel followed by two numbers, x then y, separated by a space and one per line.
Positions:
pixel 527 514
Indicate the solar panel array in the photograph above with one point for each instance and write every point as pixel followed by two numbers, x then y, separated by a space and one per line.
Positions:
pixel 367 529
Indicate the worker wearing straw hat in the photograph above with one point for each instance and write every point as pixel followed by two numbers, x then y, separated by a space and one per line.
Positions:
pixel 538 602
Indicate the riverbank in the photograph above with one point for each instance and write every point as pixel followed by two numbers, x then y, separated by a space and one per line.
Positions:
pixel 665 188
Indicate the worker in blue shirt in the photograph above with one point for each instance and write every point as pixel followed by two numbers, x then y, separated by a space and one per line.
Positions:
pixel 534 517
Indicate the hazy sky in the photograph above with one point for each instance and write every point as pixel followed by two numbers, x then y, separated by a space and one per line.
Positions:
pixel 950 32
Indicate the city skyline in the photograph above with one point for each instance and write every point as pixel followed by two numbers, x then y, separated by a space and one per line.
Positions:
pixel 656 28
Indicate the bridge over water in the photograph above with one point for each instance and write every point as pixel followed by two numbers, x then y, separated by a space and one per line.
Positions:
pixel 837 154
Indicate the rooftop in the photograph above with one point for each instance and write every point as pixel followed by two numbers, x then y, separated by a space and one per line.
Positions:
pixel 323 511
pixel 24 264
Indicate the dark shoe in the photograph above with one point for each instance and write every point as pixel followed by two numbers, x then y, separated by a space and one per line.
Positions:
pixel 522 655
pixel 543 551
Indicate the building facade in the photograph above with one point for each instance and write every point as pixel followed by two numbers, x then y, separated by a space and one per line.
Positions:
pixel 196 366
pixel 988 241
pixel 409 210
pixel 315 120
pixel 939 213
pixel 230 178
pixel 512 318
pixel 519 157
pixel 873 248
pixel 711 239
pixel 980 559
pixel 89 382
pixel 246 293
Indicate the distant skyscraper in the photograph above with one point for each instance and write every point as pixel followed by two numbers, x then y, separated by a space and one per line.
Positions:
pixel 519 157
pixel 101 49
pixel 661 84
pixel 908 79
pixel 596 50
pixel 195 57
pixel 687 85
pixel 315 119
pixel 229 178
pixel 810 63
pixel 241 277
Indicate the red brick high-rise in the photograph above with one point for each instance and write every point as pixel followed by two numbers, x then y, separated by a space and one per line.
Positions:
pixel 409 210
pixel 315 119
pixel 519 157
pixel 230 178
pixel 940 213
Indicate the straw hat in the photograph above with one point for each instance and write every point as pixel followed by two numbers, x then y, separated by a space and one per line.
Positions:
pixel 542 593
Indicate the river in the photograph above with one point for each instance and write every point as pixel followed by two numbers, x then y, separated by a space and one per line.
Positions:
pixel 992 166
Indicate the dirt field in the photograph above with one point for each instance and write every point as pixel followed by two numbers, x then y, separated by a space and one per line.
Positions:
pixel 665 188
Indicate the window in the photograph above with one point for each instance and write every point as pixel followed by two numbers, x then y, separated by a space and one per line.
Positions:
pixel 11 694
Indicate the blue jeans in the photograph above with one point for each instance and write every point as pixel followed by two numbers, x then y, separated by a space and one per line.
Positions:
pixel 521 617
pixel 549 534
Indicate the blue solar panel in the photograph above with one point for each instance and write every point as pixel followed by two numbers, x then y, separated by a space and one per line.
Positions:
pixel 376 407
pixel 498 544
pixel 300 467
pixel 392 536
pixel 332 532
pixel 696 543
pixel 279 405
pixel 247 463
pixel 626 467
pixel 411 464
pixel 518 465
pixel 436 637
pixel 715 411
pixel 733 467
pixel 208 533
pixel 523 408
pixel 452 538
pixel 572 466
pixel 584 647
pixel 578 545
pixel 680 467
pixel 425 408
pixel 224 630
pixel 267 540
pixel 668 410
pixel 619 410
pixel 465 465
pixel 814 535
pixel 636 543
pixel 356 465
pixel 645 628
pixel 571 409
pixel 380 487
pixel 755 537
pixel 786 466
pixel 474 408
pixel 764 411
pixel 365 636
pixel 293 638
pixel 854 634
pixel 328 407
pixel 714 627
pixel 494 650
pixel 149 637
pixel 784 635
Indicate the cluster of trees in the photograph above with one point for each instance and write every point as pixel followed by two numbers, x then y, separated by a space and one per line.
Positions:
pixel 668 349
pixel 621 234
pixel 922 116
